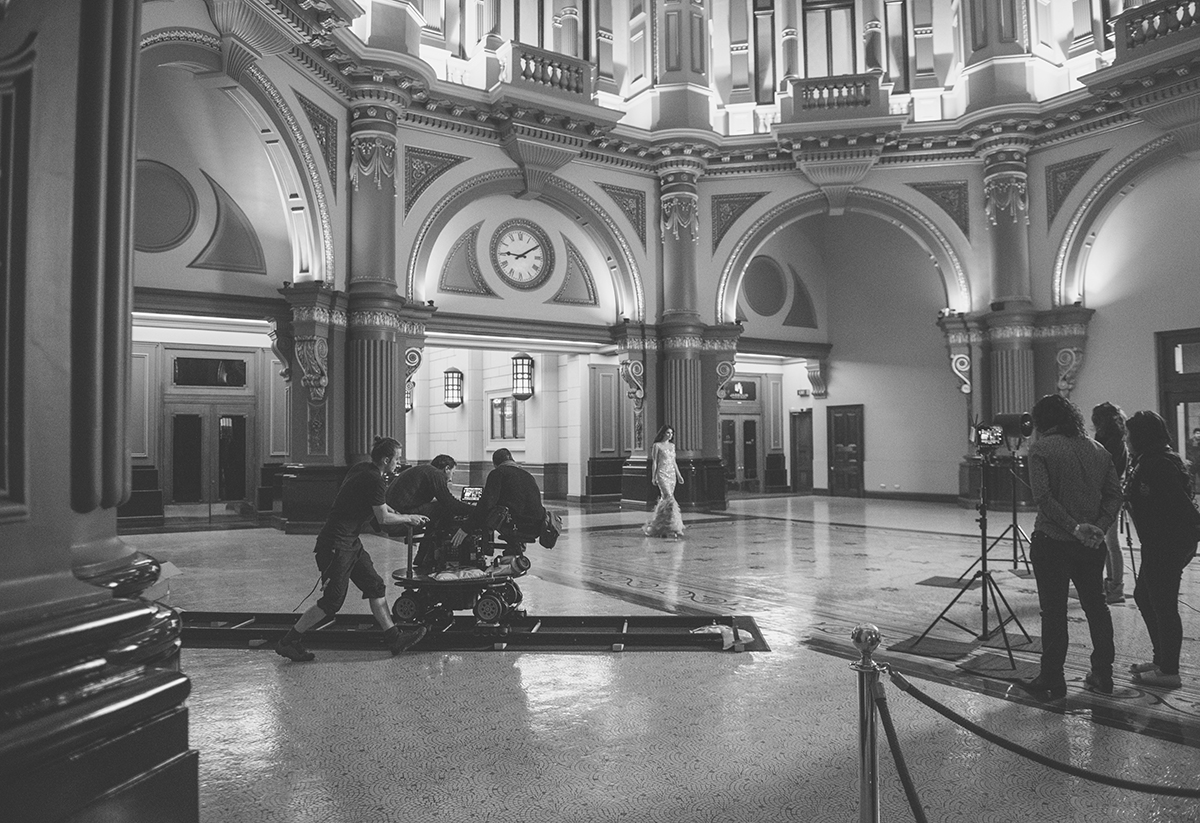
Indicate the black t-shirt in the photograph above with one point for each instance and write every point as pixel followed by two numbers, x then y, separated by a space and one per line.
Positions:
pixel 362 490
pixel 510 485
pixel 423 484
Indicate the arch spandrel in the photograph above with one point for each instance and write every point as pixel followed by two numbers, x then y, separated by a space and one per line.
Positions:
pixel 311 236
pixel 912 221
pixel 1068 286
pixel 564 197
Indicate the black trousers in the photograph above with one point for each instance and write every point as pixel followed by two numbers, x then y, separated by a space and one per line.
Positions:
pixel 1157 598
pixel 1057 564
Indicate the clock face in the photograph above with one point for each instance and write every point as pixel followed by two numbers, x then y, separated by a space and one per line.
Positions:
pixel 522 254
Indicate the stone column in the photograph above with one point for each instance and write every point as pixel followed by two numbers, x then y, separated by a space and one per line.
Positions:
pixel 318 443
pixel 1006 202
pixel 874 44
pixel 637 348
pixel 680 327
pixel 1010 334
pixel 378 329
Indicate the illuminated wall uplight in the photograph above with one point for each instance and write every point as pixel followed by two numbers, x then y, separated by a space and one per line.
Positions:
pixel 452 387
pixel 522 376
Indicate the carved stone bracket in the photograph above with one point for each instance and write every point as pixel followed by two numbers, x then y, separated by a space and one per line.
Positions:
pixel 960 364
pixel 633 373
pixel 539 153
pixel 251 30
pixel 284 346
pixel 412 362
pixel 1070 361
pixel 836 171
pixel 313 355
pixel 816 376
pixel 725 370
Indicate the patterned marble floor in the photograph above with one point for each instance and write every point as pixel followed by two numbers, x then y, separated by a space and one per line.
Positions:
pixel 674 736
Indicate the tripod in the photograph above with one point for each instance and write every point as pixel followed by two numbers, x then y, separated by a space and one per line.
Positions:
pixel 990 589
pixel 1019 539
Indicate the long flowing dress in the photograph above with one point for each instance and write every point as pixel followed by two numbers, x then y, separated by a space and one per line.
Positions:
pixel 667 520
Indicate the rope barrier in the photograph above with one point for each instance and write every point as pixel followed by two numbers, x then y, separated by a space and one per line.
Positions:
pixel 910 790
pixel 1117 782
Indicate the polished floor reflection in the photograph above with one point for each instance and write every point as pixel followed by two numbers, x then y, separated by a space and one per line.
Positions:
pixel 676 736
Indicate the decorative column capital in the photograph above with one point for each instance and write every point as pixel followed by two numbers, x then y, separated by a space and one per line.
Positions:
pixel 678 198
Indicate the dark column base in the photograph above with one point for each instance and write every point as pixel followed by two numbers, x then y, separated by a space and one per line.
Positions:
pixel 308 493
pixel 703 483
pixel 999 484
pixel 145 506
pixel 635 482
pixel 605 479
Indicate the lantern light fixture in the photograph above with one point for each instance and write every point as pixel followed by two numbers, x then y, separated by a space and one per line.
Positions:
pixel 452 387
pixel 522 376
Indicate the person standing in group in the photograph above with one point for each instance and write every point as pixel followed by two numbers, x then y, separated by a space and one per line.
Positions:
pixel 1158 491
pixel 342 559
pixel 1192 450
pixel 667 520
pixel 1108 421
pixel 1078 496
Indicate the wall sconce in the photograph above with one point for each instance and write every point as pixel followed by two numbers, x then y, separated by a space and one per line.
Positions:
pixel 452 387
pixel 522 376
pixel 408 396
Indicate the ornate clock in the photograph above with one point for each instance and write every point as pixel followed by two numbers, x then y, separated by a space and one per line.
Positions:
pixel 522 254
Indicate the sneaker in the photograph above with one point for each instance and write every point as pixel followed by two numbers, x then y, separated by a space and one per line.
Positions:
pixel 403 641
pixel 293 650
pixel 1158 679
pixel 1138 668
pixel 1114 592
pixel 1045 688
pixel 1099 683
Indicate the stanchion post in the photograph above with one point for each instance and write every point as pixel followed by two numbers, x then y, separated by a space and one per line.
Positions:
pixel 866 638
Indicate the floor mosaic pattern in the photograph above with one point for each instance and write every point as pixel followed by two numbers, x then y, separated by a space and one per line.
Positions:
pixel 672 736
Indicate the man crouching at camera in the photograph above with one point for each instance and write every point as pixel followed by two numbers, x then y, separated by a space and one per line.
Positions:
pixel 342 559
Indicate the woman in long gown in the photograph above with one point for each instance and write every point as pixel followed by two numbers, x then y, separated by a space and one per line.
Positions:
pixel 667 520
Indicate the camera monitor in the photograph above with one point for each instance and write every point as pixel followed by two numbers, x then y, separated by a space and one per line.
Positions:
pixel 471 494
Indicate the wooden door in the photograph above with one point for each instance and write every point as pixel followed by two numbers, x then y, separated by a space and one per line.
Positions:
pixel 845 451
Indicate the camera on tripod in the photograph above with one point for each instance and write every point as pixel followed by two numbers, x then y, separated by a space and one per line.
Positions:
pixel 1006 430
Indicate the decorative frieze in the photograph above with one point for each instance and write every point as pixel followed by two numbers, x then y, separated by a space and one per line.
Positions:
pixel 1061 179
pixel 690 341
pixel 1014 332
pixel 627 344
pixel 372 157
pixel 1006 196
pixel 421 168
pixel 319 314
pixel 953 198
pixel 325 128
pixel 632 202
pixel 680 211
pixel 380 319
pixel 1060 331
pixel 726 209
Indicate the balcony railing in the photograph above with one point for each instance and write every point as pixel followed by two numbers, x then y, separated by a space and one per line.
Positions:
pixel 542 70
pixel 1161 24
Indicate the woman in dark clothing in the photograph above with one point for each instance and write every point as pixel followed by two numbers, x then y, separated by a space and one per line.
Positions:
pixel 1108 421
pixel 1158 491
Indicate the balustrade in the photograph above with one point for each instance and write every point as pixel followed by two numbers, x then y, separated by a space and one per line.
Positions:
pixel 1154 23
pixel 549 71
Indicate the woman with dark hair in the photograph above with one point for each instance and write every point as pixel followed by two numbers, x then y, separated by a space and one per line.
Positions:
pixel 667 520
pixel 1108 421
pixel 1077 494
pixel 1158 491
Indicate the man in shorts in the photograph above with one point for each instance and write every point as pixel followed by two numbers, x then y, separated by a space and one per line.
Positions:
pixel 361 499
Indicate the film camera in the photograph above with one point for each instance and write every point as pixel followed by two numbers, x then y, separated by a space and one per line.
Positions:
pixel 1005 430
